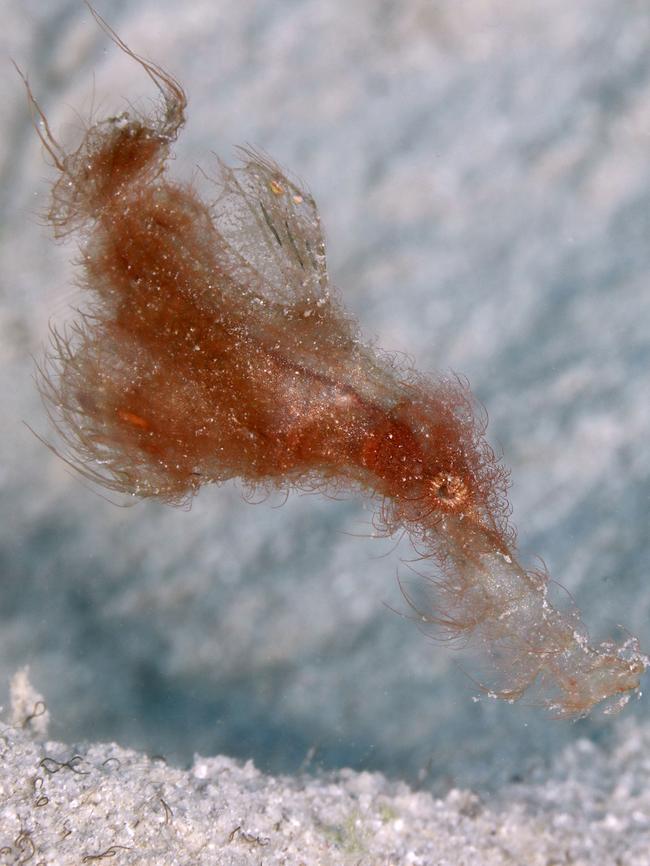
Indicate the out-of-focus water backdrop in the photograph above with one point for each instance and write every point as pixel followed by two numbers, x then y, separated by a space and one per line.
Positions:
pixel 483 174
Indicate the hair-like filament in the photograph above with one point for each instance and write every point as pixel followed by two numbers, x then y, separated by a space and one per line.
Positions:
pixel 213 347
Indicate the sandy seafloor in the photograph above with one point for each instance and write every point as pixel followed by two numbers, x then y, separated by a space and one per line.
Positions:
pixel 483 174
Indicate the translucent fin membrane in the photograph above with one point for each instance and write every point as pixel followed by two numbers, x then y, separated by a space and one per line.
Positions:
pixel 212 347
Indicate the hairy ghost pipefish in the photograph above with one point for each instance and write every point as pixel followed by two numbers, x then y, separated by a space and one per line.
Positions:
pixel 213 347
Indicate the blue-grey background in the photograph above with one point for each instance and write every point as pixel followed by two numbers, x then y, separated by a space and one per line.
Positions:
pixel 483 174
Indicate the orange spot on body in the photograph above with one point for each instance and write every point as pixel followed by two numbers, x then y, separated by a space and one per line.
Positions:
pixel 132 418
